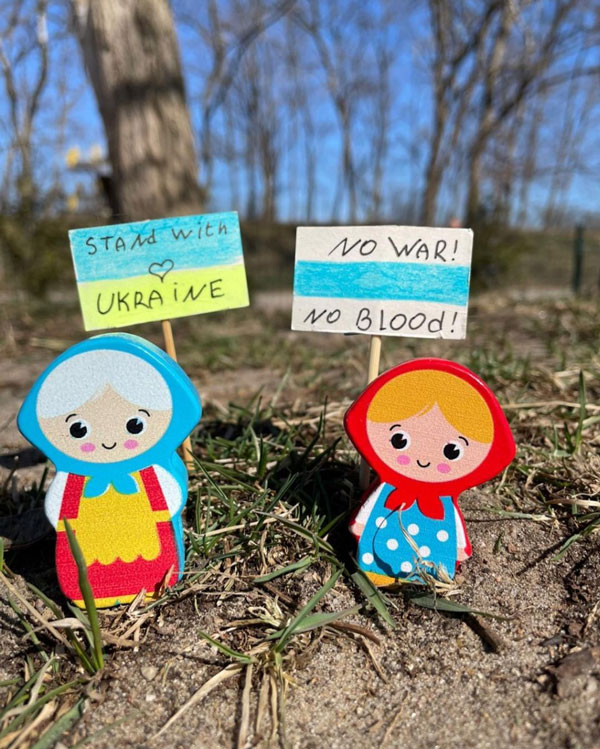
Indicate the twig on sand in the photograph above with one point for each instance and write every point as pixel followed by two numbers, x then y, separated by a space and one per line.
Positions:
pixel 245 717
pixel 491 638
pixel 227 673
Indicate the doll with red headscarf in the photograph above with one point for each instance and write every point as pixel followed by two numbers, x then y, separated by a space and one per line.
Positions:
pixel 430 429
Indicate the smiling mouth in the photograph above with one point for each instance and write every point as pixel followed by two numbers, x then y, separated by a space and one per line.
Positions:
pixel 423 465
pixel 114 444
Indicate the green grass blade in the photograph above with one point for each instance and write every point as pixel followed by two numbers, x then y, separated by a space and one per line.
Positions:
pixel 589 528
pixel 323 618
pixel 22 693
pixel 9 682
pixel 294 567
pixel 374 596
pixel 48 739
pixel 436 603
pixel 230 473
pixel 320 544
pixel 320 619
pixel 294 625
pixel 72 637
pixel 54 607
pixel 88 596
pixel 226 650
pixel 47 697
pixel 31 633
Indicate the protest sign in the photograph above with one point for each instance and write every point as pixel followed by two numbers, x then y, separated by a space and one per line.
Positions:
pixel 382 280
pixel 160 269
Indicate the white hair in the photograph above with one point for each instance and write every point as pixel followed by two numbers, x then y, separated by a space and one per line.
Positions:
pixel 85 376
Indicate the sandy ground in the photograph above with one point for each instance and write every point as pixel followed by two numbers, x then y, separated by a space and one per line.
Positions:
pixel 439 684
pixel 433 681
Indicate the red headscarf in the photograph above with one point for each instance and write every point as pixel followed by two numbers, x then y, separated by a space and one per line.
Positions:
pixel 426 493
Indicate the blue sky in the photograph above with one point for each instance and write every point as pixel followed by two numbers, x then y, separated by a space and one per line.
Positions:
pixel 409 114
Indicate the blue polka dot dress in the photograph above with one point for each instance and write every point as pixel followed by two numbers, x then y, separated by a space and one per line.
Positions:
pixel 401 544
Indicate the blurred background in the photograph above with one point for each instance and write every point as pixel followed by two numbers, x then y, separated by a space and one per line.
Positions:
pixel 481 113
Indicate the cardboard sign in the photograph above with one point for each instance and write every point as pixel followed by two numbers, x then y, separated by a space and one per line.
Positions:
pixel 382 280
pixel 156 270
pixel 430 429
pixel 110 412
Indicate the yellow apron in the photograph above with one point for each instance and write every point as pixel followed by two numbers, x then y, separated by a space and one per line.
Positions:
pixel 118 526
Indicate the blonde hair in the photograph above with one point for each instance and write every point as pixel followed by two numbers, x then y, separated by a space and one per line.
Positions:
pixel 415 393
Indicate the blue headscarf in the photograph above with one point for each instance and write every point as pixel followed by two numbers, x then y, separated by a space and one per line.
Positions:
pixel 186 412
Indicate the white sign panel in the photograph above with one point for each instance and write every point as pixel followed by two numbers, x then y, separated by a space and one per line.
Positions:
pixel 382 280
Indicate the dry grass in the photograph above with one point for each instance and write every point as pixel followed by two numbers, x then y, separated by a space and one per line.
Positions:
pixel 274 483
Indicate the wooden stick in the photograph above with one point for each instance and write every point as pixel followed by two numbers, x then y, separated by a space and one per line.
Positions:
pixel 170 349
pixel 372 372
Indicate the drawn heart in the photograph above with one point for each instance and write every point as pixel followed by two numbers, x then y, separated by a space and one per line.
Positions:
pixel 161 269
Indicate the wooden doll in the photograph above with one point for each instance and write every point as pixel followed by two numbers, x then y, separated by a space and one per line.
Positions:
pixel 109 413
pixel 430 429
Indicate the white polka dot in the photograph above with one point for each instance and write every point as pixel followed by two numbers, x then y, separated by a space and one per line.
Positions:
pixel 413 529
pixel 392 544
pixel 406 566
pixel 424 551
pixel 367 558
pixel 442 535
pixel 381 522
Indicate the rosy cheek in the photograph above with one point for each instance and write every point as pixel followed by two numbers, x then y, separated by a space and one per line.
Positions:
pixel 130 444
pixel 443 468
pixel 403 460
pixel 88 447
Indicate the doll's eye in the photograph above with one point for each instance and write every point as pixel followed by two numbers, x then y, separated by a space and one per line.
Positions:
pixel 400 440
pixel 79 429
pixel 135 425
pixel 453 451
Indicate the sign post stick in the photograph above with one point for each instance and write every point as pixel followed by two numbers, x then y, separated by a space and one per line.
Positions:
pixel 170 349
pixel 372 372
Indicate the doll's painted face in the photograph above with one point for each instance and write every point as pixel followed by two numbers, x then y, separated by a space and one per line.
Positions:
pixel 106 429
pixel 426 447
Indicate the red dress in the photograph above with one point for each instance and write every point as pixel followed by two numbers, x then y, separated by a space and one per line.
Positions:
pixel 118 581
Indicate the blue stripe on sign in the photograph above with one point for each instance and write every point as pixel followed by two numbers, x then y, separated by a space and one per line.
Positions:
pixel 399 281
pixel 99 256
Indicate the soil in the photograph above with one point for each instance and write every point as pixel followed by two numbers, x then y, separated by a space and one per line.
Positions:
pixel 436 680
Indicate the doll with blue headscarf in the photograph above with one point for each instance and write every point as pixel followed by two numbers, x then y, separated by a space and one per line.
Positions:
pixel 110 413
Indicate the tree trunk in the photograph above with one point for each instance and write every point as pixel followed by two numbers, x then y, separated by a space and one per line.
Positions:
pixel 433 172
pixel 433 180
pixel 349 176
pixel 473 210
pixel 310 163
pixel 132 57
